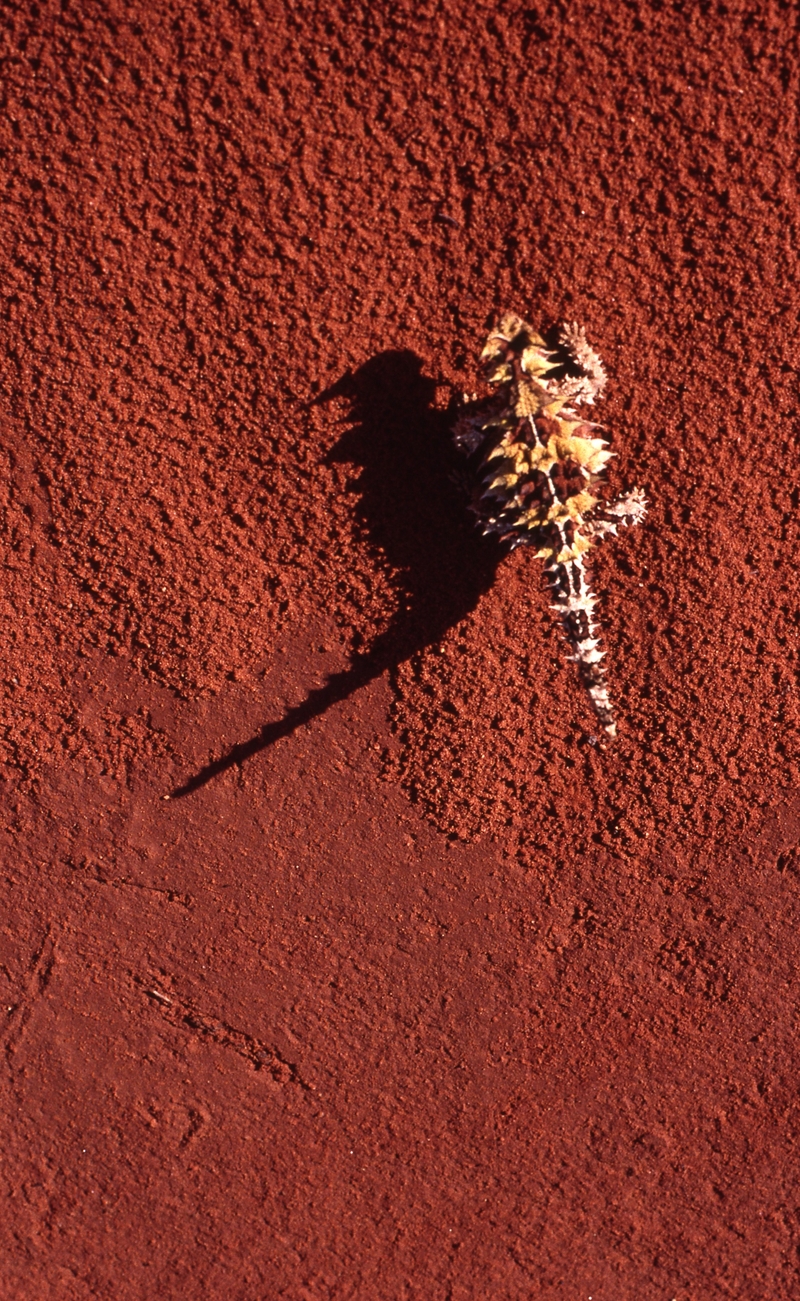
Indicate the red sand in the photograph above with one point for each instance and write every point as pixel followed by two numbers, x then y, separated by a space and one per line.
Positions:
pixel 430 996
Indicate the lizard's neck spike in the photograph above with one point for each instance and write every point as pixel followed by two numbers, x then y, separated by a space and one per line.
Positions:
pixel 537 464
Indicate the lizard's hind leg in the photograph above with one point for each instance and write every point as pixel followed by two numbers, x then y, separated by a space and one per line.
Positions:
pixel 575 604
pixel 629 509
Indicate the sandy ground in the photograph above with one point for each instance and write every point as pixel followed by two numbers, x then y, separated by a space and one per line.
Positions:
pixel 340 957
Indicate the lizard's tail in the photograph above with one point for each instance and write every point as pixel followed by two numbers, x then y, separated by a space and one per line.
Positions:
pixel 575 604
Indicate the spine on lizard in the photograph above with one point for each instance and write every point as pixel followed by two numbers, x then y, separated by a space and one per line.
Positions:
pixel 536 464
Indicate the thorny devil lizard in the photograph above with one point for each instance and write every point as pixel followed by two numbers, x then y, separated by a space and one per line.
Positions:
pixel 536 462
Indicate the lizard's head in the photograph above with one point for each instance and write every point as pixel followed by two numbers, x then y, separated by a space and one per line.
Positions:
pixel 514 344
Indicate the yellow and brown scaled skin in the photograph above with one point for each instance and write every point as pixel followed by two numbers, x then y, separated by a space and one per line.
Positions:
pixel 537 463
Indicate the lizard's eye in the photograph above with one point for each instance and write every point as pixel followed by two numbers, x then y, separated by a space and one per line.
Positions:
pixel 519 343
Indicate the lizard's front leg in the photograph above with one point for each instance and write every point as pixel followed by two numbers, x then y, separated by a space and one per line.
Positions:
pixel 591 380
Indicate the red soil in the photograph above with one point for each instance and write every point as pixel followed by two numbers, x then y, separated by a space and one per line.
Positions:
pixel 430 996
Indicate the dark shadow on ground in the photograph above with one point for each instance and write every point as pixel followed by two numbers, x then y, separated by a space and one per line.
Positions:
pixel 411 513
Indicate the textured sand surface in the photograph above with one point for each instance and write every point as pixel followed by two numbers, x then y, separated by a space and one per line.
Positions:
pixel 339 958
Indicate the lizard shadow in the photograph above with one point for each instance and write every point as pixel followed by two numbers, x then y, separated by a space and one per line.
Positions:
pixel 412 514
